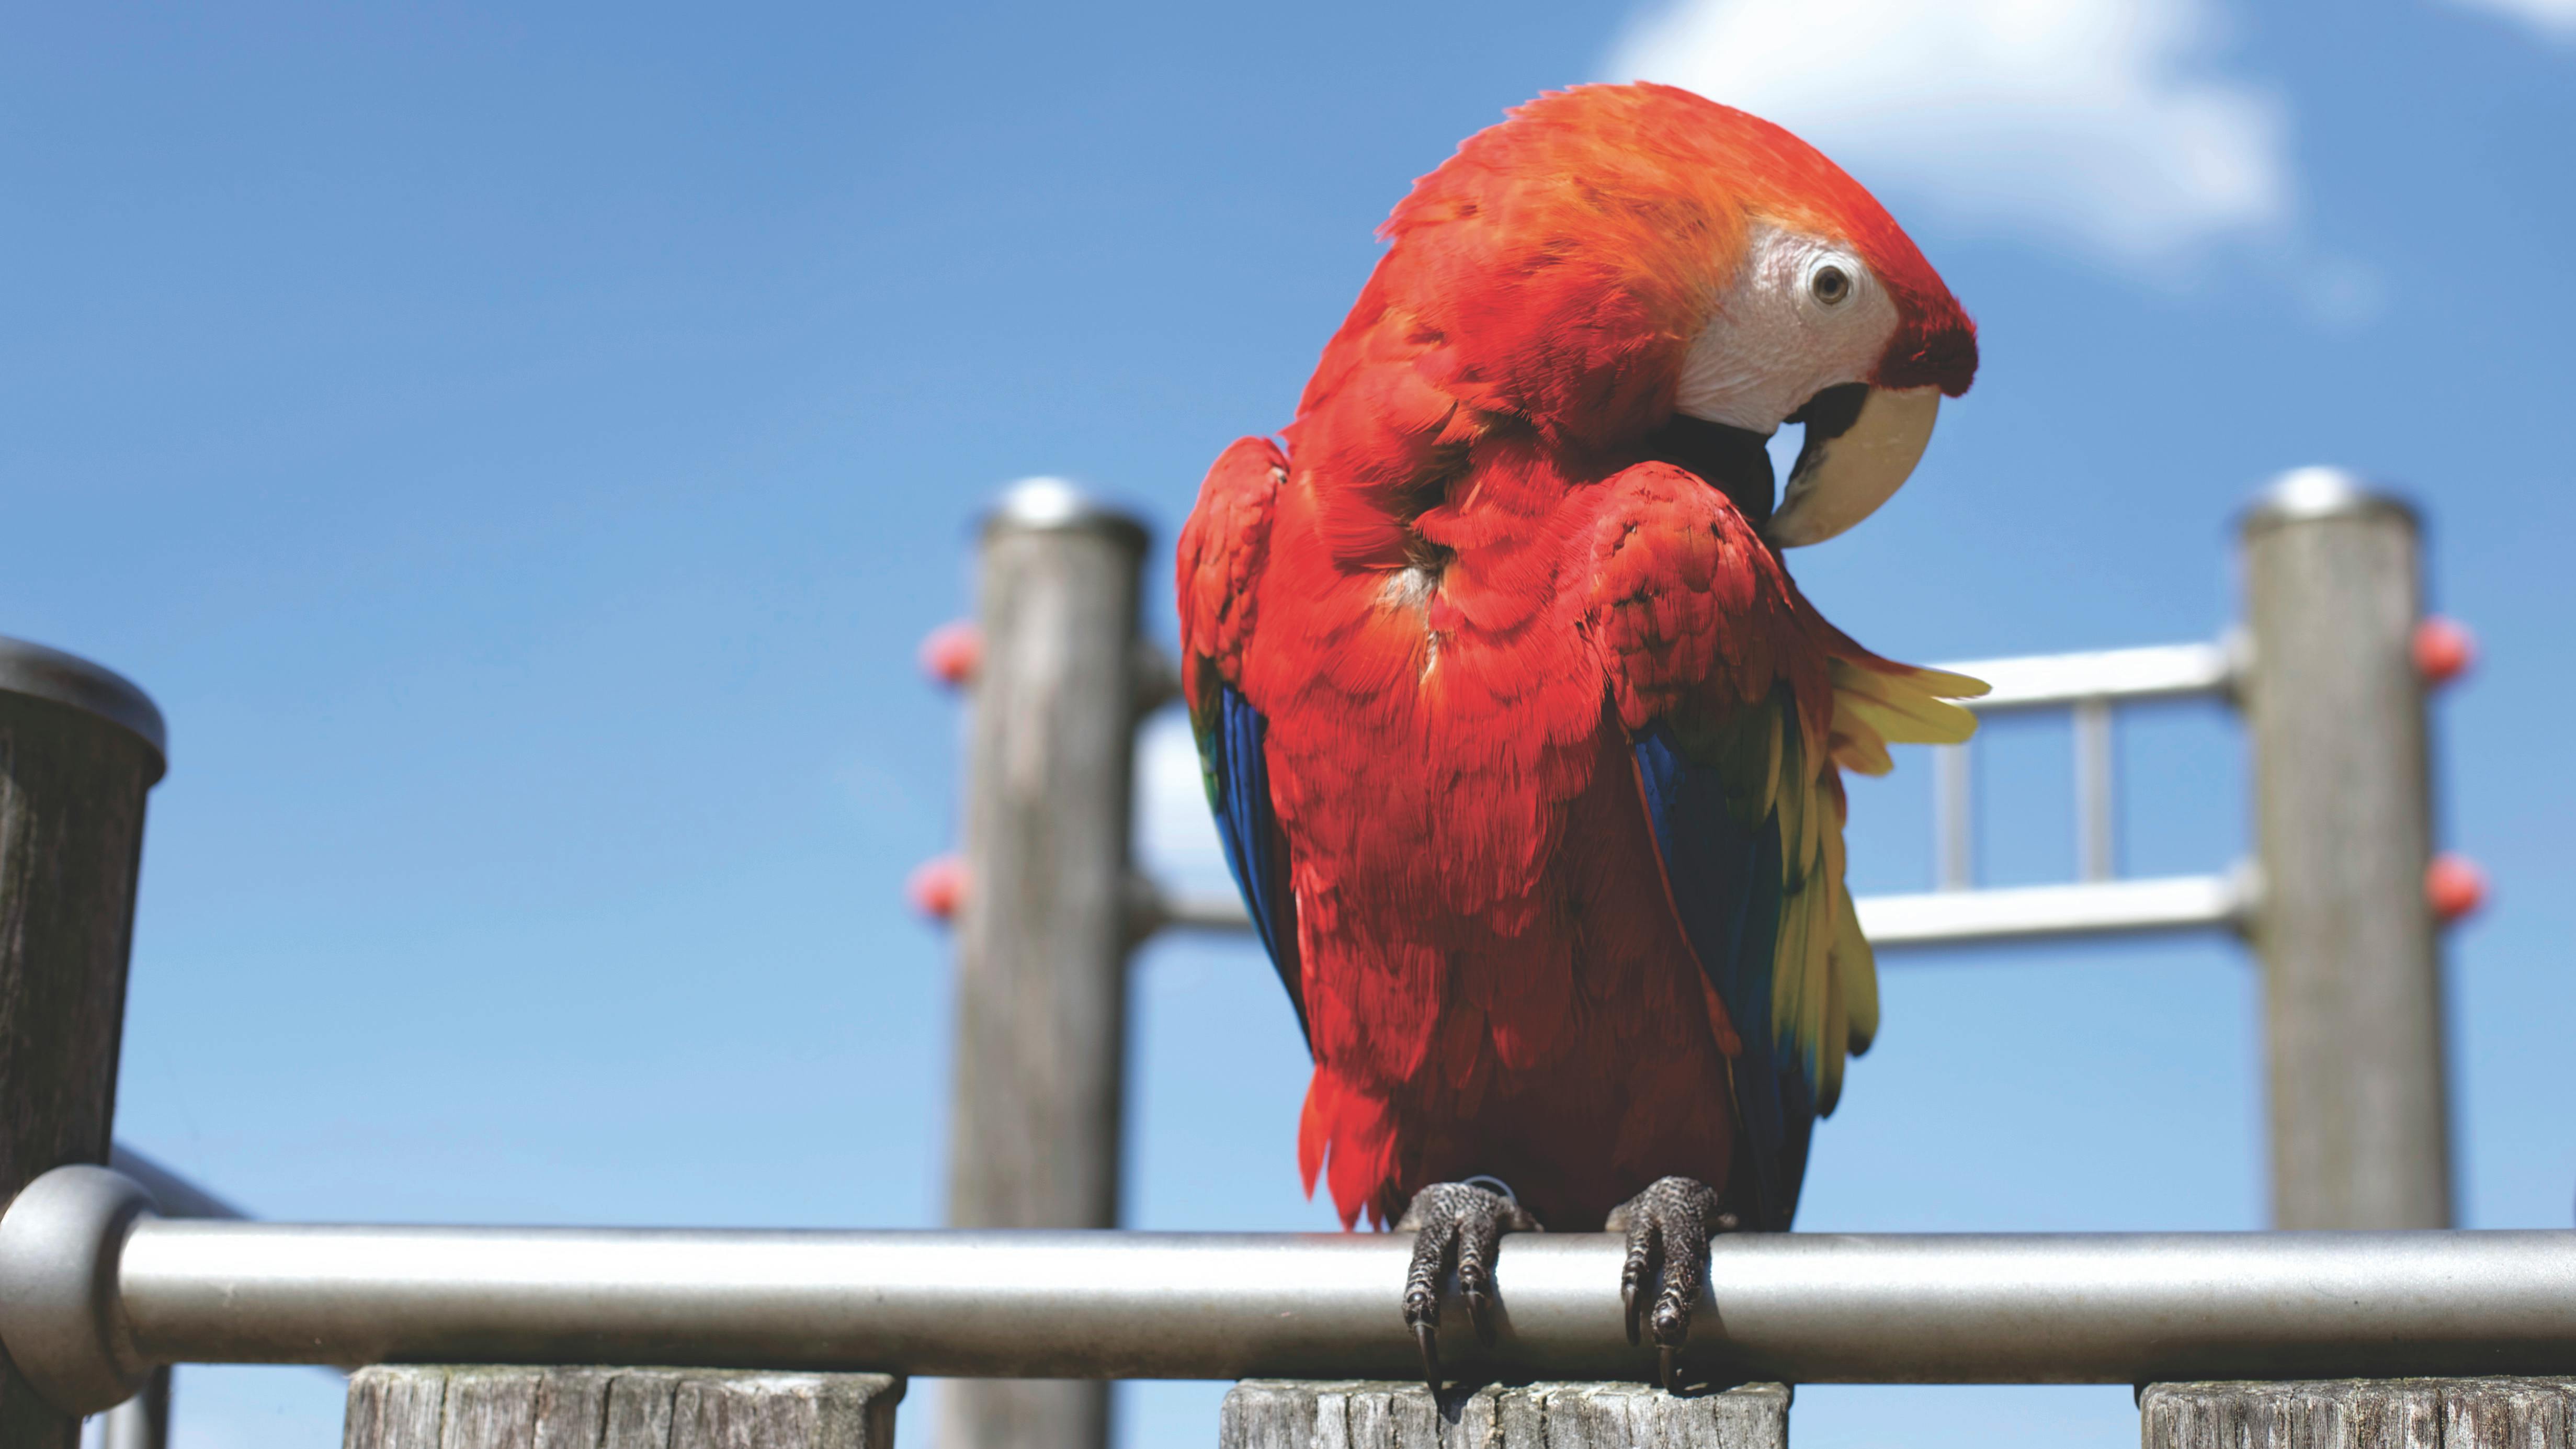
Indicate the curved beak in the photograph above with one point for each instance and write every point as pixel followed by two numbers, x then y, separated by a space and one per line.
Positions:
pixel 1844 473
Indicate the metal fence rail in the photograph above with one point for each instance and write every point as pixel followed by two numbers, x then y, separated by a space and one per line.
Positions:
pixel 2087 685
pixel 143 1421
pixel 90 1296
pixel 1948 917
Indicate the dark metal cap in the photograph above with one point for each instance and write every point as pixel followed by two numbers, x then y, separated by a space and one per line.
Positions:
pixel 1043 504
pixel 2305 495
pixel 67 679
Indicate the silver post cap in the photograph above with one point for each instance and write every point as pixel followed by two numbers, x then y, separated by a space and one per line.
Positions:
pixel 2305 495
pixel 1044 504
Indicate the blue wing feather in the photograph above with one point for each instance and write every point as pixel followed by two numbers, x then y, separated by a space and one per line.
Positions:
pixel 1725 878
pixel 1238 777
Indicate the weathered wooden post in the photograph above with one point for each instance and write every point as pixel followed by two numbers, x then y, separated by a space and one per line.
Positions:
pixel 1279 1414
pixel 2361 1414
pixel 1045 924
pixel 79 747
pixel 2343 813
pixel 509 1407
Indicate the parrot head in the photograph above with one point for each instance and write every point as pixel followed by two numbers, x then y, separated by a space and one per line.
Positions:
pixel 1637 270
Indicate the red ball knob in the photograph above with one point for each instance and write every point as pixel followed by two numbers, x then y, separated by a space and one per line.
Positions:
pixel 952 652
pixel 936 886
pixel 2444 649
pixel 2454 887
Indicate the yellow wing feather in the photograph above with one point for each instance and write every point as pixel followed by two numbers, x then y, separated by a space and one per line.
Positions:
pixel 1824 978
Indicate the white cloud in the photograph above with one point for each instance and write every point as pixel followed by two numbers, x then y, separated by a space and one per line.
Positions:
pixel 2554 18
pixel 2101 124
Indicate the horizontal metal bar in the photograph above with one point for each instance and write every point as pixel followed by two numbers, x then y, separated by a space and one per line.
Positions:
pixel 1201 911
pixel 90 1294
pixel 1949 917
pixel 2040 681
pixel 1841 1308
pixel 2083 908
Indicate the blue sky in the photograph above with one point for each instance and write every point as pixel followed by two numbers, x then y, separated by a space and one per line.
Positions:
pixel 521 451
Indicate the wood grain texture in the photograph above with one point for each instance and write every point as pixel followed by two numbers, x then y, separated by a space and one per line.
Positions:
pixel 478 1407
pixel 1286 1414
pixel 2361 1414
pixel 2343 815
pixel 1044 929
pixel 71 839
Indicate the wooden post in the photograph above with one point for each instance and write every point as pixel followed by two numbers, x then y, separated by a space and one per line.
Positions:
pixel 2361 1414
pixel 1045 926
pixel 436 1407
pixel 2343 814
pixel 1278 1414
pixel 79 747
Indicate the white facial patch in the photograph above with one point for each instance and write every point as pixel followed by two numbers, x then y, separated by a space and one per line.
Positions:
pixel 1785 331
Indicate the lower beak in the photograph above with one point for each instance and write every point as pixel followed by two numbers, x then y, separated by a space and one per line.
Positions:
pixel 1844 473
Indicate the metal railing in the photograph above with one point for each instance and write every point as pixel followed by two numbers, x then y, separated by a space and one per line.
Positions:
pixel 2090 686
pixel 143 1420
pixel 92 1295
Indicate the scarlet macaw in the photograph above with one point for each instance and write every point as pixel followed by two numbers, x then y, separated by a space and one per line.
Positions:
pixel 1522 743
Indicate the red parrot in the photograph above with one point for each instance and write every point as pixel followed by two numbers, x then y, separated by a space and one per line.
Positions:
pixel 1524 748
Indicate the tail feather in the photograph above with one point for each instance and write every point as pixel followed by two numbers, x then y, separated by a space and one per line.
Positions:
pixel 1348 1132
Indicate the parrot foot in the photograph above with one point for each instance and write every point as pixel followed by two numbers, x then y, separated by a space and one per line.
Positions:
pixel 1458 1224
pixel 1668 1227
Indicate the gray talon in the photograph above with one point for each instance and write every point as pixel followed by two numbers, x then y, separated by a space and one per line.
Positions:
pixel 1456 1225
pixel 1668 1227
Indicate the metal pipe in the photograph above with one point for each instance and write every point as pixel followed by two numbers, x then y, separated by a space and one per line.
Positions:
pixel 141 1422
pixel 2029 913
pixel 1812 1308
pixel 2096 831
pixel 2046 681
pixel 2107 1309
pixel 1953 917
pixel 1959 913
pixel 1954 819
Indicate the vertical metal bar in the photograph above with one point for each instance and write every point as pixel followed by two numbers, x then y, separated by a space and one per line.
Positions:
pixel 2343 816
pixel 1043 930
pixel 1954 839
pixel 79 749
pixel 2096 830
pixel 141 1422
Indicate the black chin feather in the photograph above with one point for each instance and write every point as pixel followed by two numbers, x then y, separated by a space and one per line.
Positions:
pixel 1734 461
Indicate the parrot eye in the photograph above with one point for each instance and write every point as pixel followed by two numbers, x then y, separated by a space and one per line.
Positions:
pixel 1830 285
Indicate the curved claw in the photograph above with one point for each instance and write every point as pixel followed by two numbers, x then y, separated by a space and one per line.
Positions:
pixel 1668 1228
pixel 1460 1225
pixel 1633 1274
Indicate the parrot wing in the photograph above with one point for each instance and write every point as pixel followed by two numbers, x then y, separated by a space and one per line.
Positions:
pixel 1741 703
pixel 1222 551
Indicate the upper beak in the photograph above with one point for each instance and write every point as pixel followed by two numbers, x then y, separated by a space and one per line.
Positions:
pixel 1844 473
